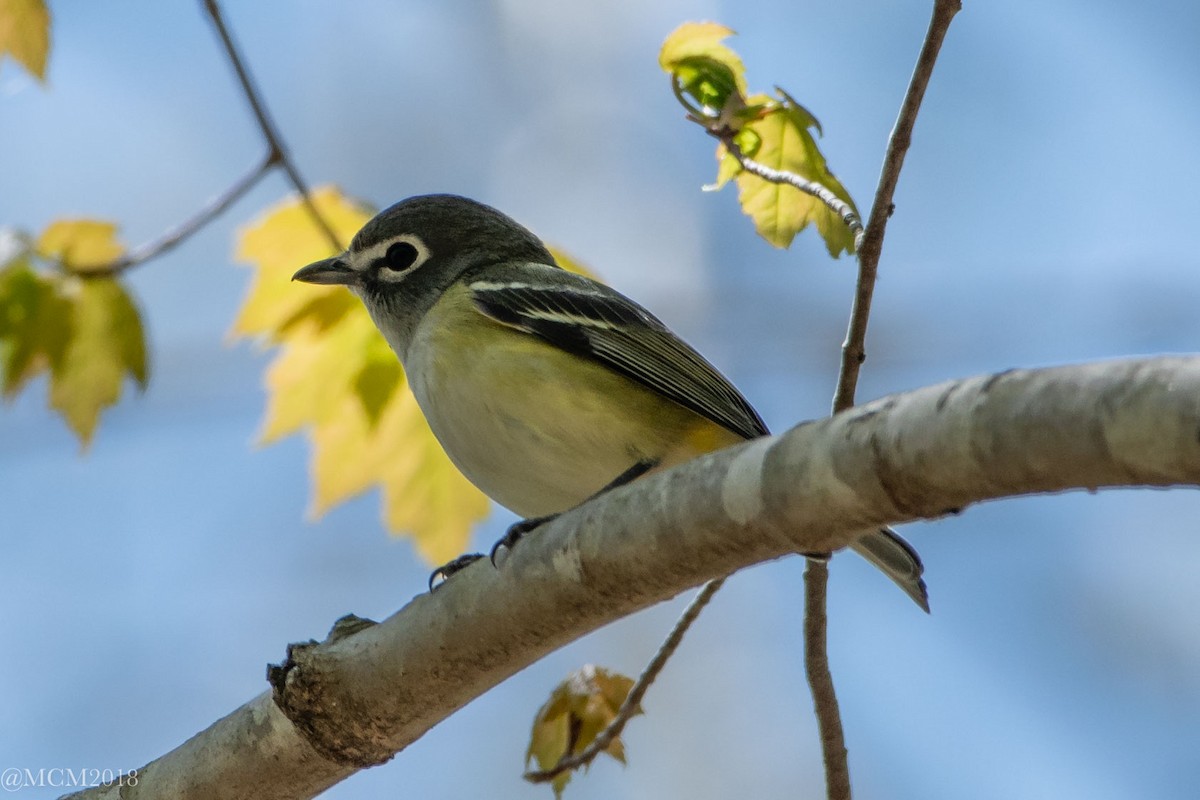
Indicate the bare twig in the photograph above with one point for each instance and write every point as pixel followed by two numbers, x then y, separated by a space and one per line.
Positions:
pixel 835 204
pixel 277 153
pixel 276 156
pixel 869 247
pixel 853 349
pixel 868 244
pixel 177 235
pixel 636 692
pixel 820 679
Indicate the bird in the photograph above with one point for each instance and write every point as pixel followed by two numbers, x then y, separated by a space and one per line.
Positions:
pixel 544 387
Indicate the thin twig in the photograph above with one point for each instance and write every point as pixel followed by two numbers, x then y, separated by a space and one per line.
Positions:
pixel 276 156
pixel 854 349
pixel 184 230
pixel 835 204
pixel 277 152
pixel 816 576
pixel 820 680
pixel 636 693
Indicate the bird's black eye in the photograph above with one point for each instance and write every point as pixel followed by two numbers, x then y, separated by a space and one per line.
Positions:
pixel 400 256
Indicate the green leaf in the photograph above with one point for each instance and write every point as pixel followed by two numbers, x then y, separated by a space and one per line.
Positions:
pixel 106 344
pixel 576 712
pixel 35 325
pixel 728 167
pixel 775 132
pixel 709 71
pixel 712 83
pixel 25 34
pixel 780 211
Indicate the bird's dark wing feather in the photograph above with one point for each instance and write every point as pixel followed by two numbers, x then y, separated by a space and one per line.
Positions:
pixel 593 321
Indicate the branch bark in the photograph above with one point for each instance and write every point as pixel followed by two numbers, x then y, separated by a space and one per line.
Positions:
pixel 357 700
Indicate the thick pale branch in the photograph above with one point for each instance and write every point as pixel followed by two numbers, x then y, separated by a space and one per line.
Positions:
pixel 363 697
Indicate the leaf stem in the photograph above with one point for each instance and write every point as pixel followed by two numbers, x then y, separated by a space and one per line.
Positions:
pixel 720 128
pixel 817 190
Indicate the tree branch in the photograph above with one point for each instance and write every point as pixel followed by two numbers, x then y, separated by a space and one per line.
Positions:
pixel 820 679
pixel 176 236
pixel 277 153
pixel 854 348
pixel 869 246
pixel 363 697
pixel 277 156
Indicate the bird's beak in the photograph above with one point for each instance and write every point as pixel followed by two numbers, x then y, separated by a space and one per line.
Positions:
pixel 329 271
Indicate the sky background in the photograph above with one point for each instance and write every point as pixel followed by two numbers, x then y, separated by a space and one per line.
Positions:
pixel 1046 215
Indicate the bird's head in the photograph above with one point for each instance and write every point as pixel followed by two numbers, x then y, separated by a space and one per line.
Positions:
pixel 409 254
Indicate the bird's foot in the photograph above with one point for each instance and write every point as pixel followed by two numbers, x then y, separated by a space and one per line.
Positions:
pixel 516 532
pixel 450 568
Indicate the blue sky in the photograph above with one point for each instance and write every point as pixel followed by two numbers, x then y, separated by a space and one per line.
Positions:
pixel 1046 215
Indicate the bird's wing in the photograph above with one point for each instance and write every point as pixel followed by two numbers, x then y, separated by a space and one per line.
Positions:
pixel 590 320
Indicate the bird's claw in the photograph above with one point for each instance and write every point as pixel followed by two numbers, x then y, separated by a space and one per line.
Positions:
pixel 451 567
pixel 516 532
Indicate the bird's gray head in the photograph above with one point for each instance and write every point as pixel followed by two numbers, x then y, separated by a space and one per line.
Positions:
pixel 402 261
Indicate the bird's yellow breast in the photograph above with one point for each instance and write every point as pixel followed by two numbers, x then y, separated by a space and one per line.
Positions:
pixel 536 428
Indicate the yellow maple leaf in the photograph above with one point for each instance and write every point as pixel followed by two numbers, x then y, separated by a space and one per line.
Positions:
pixel 282 241
pixel 775 132
pixel 576 712
pixel 570 263
pixel 781 138
pixel 25 34
pixel 80 245
pixel 336 377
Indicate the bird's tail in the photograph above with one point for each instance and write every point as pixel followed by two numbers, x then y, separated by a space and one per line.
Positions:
pixel 898 560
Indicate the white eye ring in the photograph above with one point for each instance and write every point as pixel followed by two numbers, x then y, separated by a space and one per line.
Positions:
pixel 414 253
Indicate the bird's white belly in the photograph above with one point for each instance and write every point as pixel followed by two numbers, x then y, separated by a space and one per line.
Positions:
pixel 523 470
pixel 548 438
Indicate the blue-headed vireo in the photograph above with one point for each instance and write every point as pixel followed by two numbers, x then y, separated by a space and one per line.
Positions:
pixel 543 386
